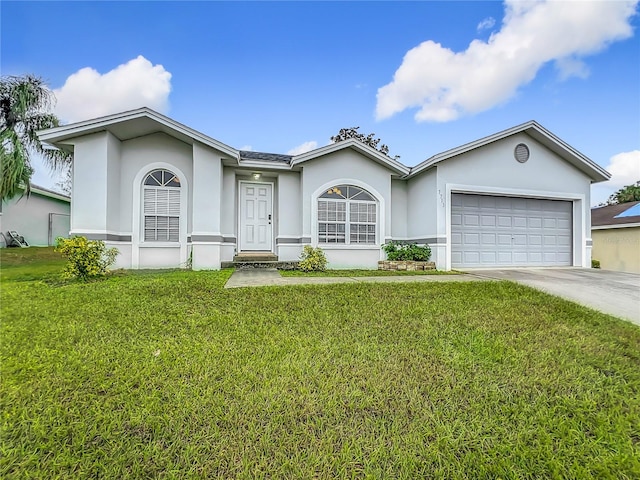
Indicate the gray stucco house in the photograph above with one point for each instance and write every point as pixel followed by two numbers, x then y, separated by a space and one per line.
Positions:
pixel 40 217
pixel 161 192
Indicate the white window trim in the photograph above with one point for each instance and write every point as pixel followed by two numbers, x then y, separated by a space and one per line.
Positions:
pixel 381 218
pixel 168 216
pixel 137 234
pixel 347 221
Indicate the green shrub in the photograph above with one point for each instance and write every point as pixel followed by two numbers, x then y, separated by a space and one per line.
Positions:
pixel 595 263
pixel 312 259
pixel 86 258
pixel 407 251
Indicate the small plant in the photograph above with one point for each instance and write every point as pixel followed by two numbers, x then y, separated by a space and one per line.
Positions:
pixel 595 263
pixel 86 258
pixel 407 251
pixel 312 259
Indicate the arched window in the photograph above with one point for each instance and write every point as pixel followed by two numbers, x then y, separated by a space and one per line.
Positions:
pixel 161 207
pixel 347 214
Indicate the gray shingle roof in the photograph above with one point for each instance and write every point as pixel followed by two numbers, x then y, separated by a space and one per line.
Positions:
pixel 607 215
pixel 262 156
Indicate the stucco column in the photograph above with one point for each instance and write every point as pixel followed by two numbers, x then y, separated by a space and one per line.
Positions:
pixel 206 238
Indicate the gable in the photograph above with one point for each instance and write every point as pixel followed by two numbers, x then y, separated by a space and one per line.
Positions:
pixel 562 150
pixel 495 164
pixel 129 125
pixel 353 146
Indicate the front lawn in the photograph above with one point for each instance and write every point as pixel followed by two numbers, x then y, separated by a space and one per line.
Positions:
pixel 171 376
pixel 363 273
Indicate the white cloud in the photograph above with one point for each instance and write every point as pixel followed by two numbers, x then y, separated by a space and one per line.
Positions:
pixel 624 169
pixel 304 148
pixel 445 84
pixel 571 67
pixel 89 94
pixel 486 24
pixel 246 148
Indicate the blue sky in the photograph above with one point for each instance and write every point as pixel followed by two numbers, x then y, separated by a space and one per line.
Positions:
pixel 281 77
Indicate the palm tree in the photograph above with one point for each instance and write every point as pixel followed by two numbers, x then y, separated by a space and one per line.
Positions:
pixel 25 104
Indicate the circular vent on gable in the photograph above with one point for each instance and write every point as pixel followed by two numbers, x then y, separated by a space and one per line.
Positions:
pixel 521 153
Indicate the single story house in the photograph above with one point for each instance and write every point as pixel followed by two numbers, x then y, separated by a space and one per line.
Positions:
pixel 40 217
pixel 163 193
pixel 615 230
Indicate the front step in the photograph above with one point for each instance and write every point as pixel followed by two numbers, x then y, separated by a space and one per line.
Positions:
pixel 255 257
pixel 290 265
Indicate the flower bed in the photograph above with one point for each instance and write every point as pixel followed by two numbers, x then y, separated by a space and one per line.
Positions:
pixel 407 265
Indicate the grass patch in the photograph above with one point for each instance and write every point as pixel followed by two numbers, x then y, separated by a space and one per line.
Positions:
pixel 29 264
pixel 171 376
pixel 363 273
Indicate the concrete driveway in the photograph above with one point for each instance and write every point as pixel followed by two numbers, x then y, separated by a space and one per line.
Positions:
pixel 610 292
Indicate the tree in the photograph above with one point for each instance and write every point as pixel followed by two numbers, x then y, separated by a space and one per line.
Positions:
pixel 352 132
pixel 629 193
pixel 25 104
pixel 66 179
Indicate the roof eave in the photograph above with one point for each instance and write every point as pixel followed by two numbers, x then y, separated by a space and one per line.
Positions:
pixel 615 225
pixel 264 165
pixel 541 134
pixel 371 153
pixel 59 135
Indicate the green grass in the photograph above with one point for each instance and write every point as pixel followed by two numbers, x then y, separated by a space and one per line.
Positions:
pixel 171 376
pixel 33 263
pixel 362 273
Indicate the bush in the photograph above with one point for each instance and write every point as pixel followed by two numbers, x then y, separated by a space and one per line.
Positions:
pixel 595 263
pixel 312 259
pixel 407 251
pixel 86 258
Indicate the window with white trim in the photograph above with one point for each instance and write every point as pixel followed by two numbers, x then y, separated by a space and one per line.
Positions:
pixel 347 214
pixel 161 206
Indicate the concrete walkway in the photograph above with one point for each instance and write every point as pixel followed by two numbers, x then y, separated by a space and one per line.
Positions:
pixel 261 277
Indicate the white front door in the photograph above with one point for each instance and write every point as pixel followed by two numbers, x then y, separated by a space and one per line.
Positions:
pixel 256 216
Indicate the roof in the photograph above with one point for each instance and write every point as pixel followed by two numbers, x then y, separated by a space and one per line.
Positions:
pixel 537 132
pixel 266 157
pixel 619 215
pixel 131 124
pixel 45 192
pixel 366 150
pixel 144 121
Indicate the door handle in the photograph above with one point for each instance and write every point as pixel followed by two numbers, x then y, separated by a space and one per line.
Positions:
pixel 269 216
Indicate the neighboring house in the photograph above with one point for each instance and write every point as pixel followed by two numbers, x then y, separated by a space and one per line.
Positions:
pixel 162 192
pixel 40 217
pixel 615 230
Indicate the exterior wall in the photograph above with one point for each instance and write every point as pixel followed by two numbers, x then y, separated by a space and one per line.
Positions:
pixel 228 215
pixel 144 153
pixel 29 216
pixel 288 216
pixel 89 190
pixel 206 238
pixel 492 169
pixel 423 201
pixel 617 248
pixel 399 209
pixel 139 157
pixel 113 183
pixel 346 167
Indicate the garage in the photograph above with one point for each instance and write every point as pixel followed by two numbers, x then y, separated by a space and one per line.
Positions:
pixel 490 231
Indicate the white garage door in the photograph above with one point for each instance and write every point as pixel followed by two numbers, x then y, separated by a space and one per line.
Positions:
pixel 489 231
